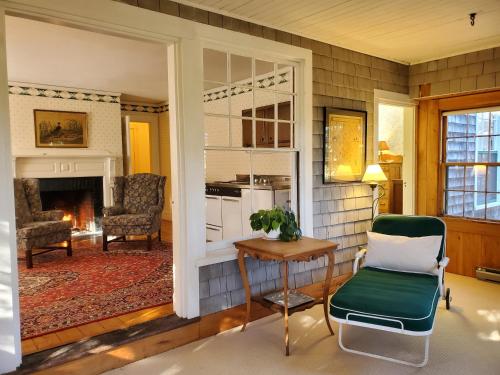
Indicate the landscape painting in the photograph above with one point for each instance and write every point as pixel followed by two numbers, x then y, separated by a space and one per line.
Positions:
pixel 60 129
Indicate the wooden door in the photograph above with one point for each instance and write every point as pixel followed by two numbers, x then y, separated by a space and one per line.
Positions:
pixel 140 148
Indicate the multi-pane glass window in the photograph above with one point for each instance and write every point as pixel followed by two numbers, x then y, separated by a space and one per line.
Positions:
pixel 249 123
pixel 248 102
pixel 471 163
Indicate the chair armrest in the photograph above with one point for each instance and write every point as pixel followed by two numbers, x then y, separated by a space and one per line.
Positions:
pixel 444 262
pixel 113 211
pixel 154 210
pixel 441 266
pixel 53 215
pixel 357 260
pixel 361 253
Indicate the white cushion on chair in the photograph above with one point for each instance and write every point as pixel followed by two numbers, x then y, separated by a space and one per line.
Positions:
pixel 405 254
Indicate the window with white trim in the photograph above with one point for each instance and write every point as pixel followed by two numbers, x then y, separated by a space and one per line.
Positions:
pixel 471 163
pixel 249 122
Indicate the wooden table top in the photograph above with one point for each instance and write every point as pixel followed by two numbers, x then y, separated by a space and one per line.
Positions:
pixel 302 249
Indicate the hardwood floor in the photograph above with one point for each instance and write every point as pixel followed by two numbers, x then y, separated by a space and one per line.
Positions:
pixel 100 360
pixel 74 334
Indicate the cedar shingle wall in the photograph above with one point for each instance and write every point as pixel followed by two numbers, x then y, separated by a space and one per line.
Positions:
pixel 469 72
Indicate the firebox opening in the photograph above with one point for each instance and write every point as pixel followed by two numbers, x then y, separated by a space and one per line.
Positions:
pixel 80 198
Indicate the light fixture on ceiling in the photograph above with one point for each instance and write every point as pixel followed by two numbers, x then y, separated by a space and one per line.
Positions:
pixel 472 17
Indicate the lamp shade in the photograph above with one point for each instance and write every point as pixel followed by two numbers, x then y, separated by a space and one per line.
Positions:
pixel 373 174
pixel 383 146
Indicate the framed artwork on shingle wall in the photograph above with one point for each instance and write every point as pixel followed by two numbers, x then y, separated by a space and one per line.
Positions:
pixel 60 129
pixel 344 145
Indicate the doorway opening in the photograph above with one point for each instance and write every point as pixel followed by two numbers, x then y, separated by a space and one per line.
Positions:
pixel 140 147
pixel 395 145
pixel 65 299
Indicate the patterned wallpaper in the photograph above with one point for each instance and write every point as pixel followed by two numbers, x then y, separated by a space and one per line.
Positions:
pixel 103 116
pixel 141 107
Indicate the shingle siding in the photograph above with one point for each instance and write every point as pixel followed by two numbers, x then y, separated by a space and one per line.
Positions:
pixel 472 71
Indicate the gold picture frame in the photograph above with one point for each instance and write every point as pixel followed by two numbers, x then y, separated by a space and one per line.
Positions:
pixel 344 145
pixel 60 129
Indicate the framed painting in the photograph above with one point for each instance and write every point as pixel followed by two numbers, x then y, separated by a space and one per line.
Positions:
pixel 344 145
pixel 59 129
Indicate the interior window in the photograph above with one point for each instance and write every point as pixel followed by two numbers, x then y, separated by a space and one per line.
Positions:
pixel 250 159
pixel 470 160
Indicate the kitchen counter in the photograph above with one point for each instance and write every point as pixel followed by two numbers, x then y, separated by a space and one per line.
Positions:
pixel 243 185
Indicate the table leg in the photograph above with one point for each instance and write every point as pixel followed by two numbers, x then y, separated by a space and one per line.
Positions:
pixel 326 287
pixel 285 300
pixel 246 285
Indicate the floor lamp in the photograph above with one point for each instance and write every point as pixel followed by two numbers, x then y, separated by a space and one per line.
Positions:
pixel 373 175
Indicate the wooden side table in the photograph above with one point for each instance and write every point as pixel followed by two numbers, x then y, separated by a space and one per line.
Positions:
pixel 305 249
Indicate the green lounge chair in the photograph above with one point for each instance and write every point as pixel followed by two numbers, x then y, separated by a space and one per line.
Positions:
pixel 393 301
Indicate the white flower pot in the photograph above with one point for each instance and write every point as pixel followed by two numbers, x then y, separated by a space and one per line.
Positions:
pixel 273 234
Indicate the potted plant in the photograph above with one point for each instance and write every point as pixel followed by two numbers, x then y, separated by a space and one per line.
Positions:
pixel 276 223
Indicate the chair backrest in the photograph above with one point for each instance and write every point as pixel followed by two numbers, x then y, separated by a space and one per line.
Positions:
pixel 27 199
pixel 136 193
pixel 412 226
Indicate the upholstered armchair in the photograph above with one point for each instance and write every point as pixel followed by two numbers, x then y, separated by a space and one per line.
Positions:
pixel 138 204
pixel 36 228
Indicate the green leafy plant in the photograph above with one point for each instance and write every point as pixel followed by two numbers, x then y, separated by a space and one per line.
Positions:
pixel 274 219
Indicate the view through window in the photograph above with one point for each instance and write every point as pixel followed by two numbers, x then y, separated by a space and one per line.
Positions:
pixel 471 162
pixel 250 159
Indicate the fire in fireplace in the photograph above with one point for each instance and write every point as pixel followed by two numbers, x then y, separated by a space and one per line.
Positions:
pixel 81 199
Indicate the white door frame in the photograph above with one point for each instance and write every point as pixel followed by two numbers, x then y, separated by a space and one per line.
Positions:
pixel 409 144
pixel 10 327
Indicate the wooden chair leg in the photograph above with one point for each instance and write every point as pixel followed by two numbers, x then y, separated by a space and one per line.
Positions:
pixel 149 242
pixel 159 235
pixel 104 241
pixel 69 248
pixel 29 258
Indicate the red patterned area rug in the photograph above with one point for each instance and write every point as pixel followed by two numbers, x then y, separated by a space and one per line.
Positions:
pixel 60 292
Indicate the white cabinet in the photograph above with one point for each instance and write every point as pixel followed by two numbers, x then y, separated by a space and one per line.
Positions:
pixel 213 209
pixel 214 233
pixel 231 218
pixel 262 200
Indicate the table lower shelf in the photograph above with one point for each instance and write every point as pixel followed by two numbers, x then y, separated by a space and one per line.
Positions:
pixel 277 307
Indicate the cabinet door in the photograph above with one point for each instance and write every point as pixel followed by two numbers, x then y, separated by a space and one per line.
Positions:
pixel 260 134
pixel 213 210
pixel 247 133
pixel 247 128
pixel 231 218
pixel 262 200
pixel 214 233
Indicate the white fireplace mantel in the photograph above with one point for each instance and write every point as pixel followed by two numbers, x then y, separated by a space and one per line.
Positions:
pixel 70 164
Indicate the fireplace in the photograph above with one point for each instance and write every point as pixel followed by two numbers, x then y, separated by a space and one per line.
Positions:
pixel 81 199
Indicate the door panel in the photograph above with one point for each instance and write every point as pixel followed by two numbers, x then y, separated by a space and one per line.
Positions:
pixel 231 218
pixel 140 147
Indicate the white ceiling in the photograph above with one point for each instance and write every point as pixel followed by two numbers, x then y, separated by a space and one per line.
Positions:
pixel 408 31
pixel 43 53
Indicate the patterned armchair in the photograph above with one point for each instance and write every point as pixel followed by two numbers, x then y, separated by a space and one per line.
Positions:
pixel 36 228
pixel 138 204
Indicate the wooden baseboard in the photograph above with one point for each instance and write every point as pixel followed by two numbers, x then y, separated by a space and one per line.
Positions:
pixel 208 325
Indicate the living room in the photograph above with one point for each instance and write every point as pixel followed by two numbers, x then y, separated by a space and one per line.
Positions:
pixel 99 90
pixel 338 72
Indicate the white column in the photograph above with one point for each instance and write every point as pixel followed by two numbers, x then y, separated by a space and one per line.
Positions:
pixel 10 337
pixel 188 182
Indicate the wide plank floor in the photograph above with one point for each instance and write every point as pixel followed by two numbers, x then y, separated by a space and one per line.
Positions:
pixel 75 334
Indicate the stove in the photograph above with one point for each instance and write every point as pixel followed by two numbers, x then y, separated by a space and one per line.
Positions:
pixel 222 189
